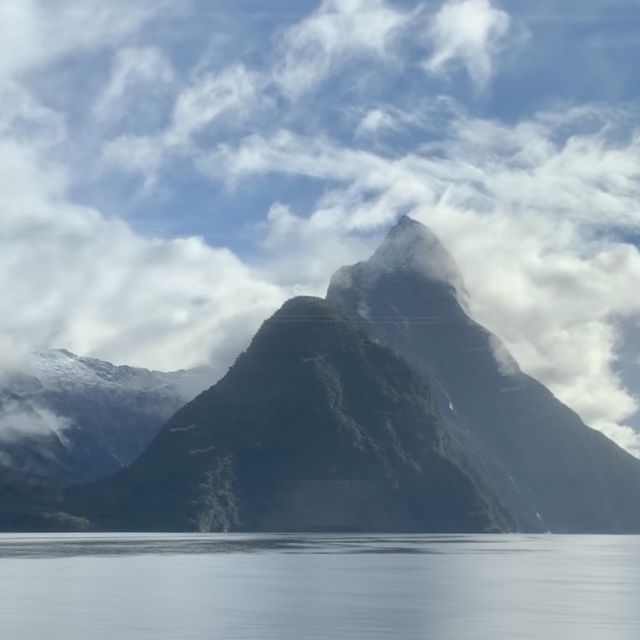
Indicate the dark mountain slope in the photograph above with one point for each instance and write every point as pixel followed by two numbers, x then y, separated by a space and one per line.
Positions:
pixel 27 505
pixel 316 427
pixel 549 470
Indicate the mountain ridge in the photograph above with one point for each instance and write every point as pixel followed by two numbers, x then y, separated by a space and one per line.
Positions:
pixel 548 468
pixel 384 408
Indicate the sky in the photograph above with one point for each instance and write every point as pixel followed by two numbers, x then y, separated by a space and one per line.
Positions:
pixel 173 170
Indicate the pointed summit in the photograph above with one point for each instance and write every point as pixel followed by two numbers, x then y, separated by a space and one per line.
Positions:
pixel 410 246
pixel 410 256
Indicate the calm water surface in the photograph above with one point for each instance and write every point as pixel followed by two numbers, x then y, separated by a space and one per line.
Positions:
pixel 319 587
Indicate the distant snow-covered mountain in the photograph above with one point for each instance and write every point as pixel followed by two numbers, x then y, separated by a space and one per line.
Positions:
pixel 70 419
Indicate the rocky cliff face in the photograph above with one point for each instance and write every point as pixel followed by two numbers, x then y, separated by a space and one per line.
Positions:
pixel 545 466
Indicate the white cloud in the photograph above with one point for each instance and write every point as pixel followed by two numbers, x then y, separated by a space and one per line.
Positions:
pixel 22 117
pixel 37 32
pixel 137 73
pixel 304 269
pixel 208 98
pixel 19 420
pixel 375 121
pixel 307 53
pixel 70 277
pixel 213 96
pixel 336 31
pixel 470 33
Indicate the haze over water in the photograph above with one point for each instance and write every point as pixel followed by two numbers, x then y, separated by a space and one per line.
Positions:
pixel 319 587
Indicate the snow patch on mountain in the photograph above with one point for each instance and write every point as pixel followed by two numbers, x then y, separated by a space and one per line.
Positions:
pixel 75 419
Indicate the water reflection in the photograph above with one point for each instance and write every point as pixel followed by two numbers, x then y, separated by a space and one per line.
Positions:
pixel 69 545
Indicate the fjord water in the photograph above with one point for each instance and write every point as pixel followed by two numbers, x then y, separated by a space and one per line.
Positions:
pixel 318 587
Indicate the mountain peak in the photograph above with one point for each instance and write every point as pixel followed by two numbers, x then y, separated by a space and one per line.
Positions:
pixel 303 327
pixel 304 306
pixel 411 246
pixel 405 222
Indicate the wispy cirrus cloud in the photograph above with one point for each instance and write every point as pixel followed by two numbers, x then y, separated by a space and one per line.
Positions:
pixel 198 106
pixel 305 55
pixel 136 75
pixel 37 32
pixel 338 38
pixel 336 32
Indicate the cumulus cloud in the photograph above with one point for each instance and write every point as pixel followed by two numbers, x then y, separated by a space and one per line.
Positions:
pixel 336 31
pixel 316 253
pixel 94 286
pixel 469 33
